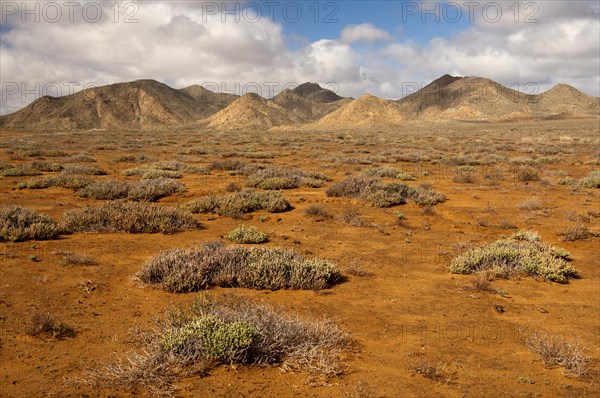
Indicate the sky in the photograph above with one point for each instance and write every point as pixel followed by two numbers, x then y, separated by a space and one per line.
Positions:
pixel 385 48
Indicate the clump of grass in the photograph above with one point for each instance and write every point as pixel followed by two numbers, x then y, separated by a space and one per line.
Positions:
pixel 20 224
pixel 381 194
pixel 521 253
pixel 231 330
pixel 558 351
pixel 214 264
pixel 129 217
pixel 44 323
pixel 389 172
pixel 245 235
pixel 274 178
pixel 317 211
pixel 464 176
pixel 70 258
pixel 238 203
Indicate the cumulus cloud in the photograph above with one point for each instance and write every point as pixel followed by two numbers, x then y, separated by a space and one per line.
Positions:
pixel 180 44
pixel 365 32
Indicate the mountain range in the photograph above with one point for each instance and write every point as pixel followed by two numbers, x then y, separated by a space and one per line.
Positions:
pixel 148 104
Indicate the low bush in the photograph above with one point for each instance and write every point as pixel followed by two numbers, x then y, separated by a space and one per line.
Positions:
pixel 21 224
pixel 129 217
pixel 153 190
pixel 521 253
pixel 231 330
pixel 44 323
pixel 246 235
pixel 70 258
pixel 390 172
pixel 381 194
pixel 592 180
pixel 62 180
pixel 214 264
pixel 558 351
pixel 84 169
pixel 20 171
pixel 238 203
pixel 275 178
pixel 578 231
pixel 317 211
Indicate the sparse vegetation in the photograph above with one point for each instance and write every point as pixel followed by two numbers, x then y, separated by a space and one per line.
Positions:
pixel 70 258
pixel 521 253
pixel 558 351
pixel 275 178
pixel 382 194
pixel 389 172
pixel 238 203
pixel 214 264
pixel 592 180
pixel 129 217
pixel 579 231
pixel 245 235
pixel 20 224
pixel 45 324
pixel 317 211
pixel 231 330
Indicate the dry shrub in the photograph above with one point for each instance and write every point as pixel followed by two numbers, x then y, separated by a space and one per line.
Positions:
pixel 44 323
pixel 418 364
pixel 20 224
pixel 521 253
pixel 214 264
pixel 83 169
pixel 381 194
pixel 558 351
pixel 527 173
pixel 531 204
pixel 238 203
pixel 129 217
pixel 190 340
pixel 274 178
pixel 578 231
pixel 317 211
pixel 353 218
pixel 70 258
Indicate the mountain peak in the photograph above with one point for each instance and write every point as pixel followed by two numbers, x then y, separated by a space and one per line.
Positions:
pixel 316 93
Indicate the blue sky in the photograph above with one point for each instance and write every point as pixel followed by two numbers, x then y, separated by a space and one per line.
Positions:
pixel 380 47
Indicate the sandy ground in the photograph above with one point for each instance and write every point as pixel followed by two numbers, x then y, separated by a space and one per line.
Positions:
pixel 410 305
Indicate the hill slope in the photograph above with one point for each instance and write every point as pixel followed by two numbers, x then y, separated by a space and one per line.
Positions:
pixel 142 104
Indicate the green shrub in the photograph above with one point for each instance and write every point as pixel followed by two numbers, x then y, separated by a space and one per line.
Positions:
pixel 214 264
pixel 522 253
pixel 238 203
pixel 244 234
pixel 21 224
pixel 129 217
pixel 211 338
pixel 229 330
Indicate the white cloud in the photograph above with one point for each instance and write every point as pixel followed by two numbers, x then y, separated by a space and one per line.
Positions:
pixel 365 32
pixel 178 44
